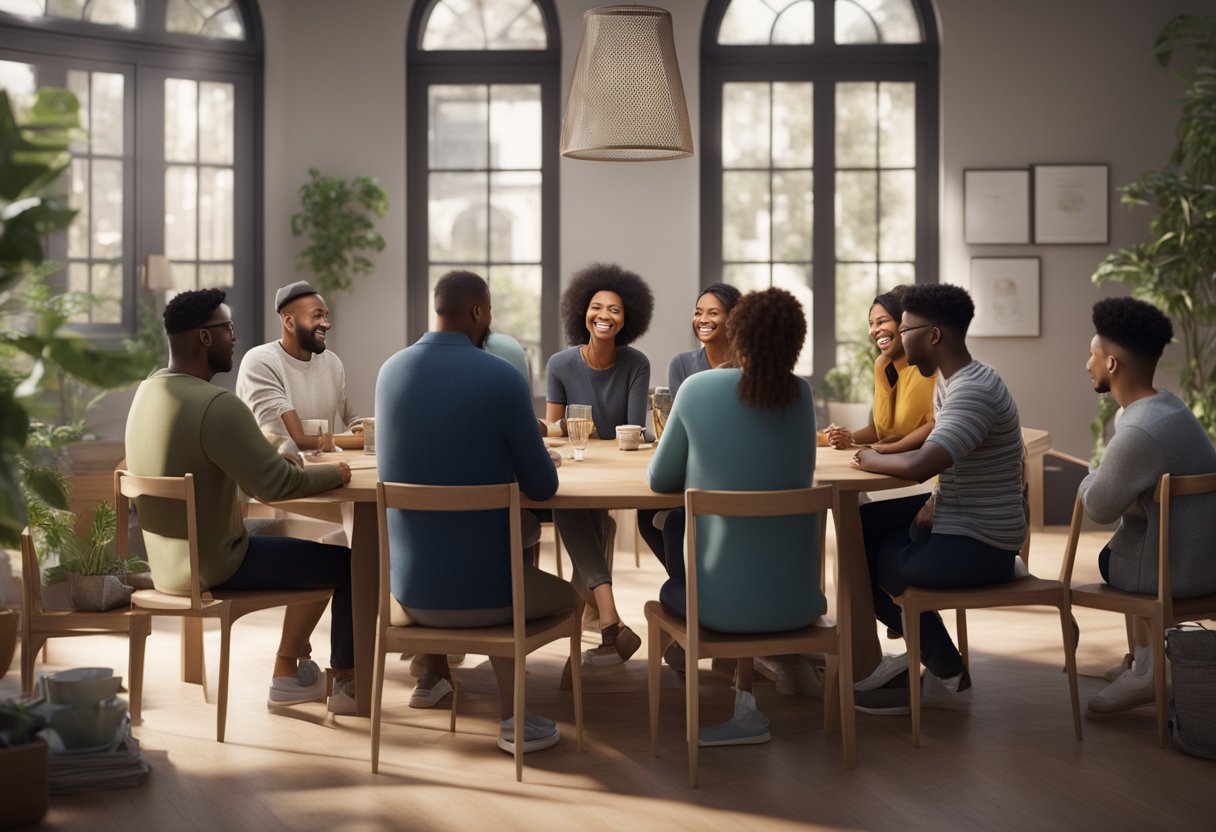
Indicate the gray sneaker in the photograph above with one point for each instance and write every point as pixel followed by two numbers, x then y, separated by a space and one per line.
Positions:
pixel 536 736
pixel 747 727
pixel 431 688
pixel 308 685
pixel 342 700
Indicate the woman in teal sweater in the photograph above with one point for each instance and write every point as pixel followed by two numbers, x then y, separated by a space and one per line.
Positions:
pixel 746 429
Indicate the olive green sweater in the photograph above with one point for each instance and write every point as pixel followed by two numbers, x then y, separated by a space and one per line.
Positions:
pixel 180 424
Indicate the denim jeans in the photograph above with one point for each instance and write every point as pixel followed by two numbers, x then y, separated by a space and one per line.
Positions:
pixel 938 561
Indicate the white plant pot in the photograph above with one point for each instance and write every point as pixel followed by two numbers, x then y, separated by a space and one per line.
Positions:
pixel 851 415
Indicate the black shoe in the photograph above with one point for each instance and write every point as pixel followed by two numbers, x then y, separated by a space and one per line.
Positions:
pixel 675 658
pixel 892 699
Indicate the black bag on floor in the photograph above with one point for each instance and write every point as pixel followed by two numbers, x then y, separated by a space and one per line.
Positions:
pixel 1192 656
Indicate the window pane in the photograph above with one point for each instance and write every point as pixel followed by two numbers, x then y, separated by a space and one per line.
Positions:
pixel 457 217
pixel 515 294
pixel 856 125
pixel 183 276
pixel 78 198
pixel 19 80
pixel 891 275
pixel 792 201
pixel 454 24
pixel 796 24
pixel 793 140
pixel 226 24
pixel 856 288
pixel 745 215
pixel 107 209
pixel 107 292
pixel 181 120
pixel 78 84
pixel 458 125
pixel 748 277
pixel 877 21
pixel 215 276
pixel 746 21
pixel 515 217
pixel 181 201
pixel 70 9
pixel 745 125
pixel 797 281
pixel 515 126
pixel 29 8
pixel 215 119
pixel 897 225
pixel 856 215
pixel 209 18
pixel 106 113
pixel 215 207
pixel 897 125
pixel 180 16
pixel 514 24
pixel 78 281
pixel 433 275
pixel 112 12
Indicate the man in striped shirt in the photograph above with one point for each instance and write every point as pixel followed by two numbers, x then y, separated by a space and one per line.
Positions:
pixel 969 531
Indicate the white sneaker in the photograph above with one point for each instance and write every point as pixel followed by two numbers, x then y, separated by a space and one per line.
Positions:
pixel 308 685
pixel 430 689
pixel 954 692
pixel 536 737
pixel 1118 670
pixel 1129 690
pixel 342 700
pixel 888 669
pixel 747 727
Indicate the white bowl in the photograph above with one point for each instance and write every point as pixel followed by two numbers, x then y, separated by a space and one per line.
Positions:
pixel 81 687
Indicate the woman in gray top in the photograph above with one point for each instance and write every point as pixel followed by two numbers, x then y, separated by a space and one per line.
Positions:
pixel 709 327
pixel 604 309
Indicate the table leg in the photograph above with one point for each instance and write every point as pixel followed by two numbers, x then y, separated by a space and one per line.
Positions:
pixel 1034 490
pixel 850 549
pixel 365 597
pixel 194 667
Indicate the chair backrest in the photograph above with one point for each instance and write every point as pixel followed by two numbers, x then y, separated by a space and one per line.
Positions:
pixel 128 486
pixel 1168 488
pixel 410 497
pixel 791 502
pixel 31 576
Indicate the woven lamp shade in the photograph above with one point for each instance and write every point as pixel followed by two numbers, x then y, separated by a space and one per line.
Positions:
pixel 626 100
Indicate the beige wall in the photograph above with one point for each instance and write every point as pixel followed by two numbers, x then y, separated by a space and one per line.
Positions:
pixel 1033 81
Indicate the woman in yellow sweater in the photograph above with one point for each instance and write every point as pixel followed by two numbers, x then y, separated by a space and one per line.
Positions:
pixel 902 416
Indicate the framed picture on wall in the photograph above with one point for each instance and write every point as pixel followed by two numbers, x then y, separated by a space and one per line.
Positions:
pixel 1006 295
pixel 996 206
pixel 1072 204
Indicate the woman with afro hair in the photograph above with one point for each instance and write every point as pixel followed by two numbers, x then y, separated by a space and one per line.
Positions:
pixel 604 309
pixel 746 428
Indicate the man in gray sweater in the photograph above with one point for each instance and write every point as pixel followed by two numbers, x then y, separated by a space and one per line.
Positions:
pixel 1157 434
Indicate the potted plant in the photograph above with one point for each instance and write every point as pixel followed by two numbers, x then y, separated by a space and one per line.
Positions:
pixel 337 217
pixel 1176 269
pixel 93 574
pixel 24 768
pixel 847 389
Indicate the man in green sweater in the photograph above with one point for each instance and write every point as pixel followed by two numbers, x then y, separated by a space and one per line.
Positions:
pixel 180 423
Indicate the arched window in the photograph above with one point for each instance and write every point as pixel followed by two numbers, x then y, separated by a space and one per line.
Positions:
pixel 169 91
pixel 820 155
pixel 483 121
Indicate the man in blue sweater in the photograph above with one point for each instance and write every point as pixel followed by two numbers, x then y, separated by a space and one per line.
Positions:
pixel 453 414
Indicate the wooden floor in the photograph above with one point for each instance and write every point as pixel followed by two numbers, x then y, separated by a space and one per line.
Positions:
pixel 1007 762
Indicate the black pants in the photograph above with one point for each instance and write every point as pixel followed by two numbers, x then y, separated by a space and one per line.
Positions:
pixel 938 561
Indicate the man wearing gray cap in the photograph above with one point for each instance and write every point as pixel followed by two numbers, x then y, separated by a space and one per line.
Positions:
pixel 295 378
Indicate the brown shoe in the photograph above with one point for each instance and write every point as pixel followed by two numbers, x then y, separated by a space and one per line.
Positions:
pixel 618 645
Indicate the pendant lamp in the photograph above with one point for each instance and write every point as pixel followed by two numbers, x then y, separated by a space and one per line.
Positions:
pixel 626 100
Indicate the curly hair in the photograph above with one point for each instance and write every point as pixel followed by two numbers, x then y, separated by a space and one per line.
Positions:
pixel 893 302
pixel 766 331
pixel 636 297
pixel 726 294
pixel 1138 327
pixel 190 310
pixel 941 304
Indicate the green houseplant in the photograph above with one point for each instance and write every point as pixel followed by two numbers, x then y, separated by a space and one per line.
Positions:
pixel 88 563
pixel 337 217
pixel 846 389
pixel 1176 269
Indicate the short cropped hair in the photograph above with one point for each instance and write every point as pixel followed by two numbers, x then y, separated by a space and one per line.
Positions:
pixel 893 302
pixel 458 290
pixel 766 332
pixel 1138 327
pixel 943 304
pixel 726 294
pixel 636 297
pixel 190 310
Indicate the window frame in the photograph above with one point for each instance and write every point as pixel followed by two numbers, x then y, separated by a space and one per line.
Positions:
pixel 822 64
pixel 424 68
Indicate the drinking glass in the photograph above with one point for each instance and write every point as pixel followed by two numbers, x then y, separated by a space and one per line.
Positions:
pixel 578 427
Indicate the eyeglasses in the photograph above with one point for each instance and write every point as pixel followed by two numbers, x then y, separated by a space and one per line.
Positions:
pixel 227 324
pixel 905 329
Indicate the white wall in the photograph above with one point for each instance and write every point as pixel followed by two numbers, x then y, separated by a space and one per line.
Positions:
pixel 1026 82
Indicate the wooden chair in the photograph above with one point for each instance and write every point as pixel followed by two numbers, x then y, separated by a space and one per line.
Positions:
pixel 39 625
pixel 1021 592
pixel 698 643
pixel 1162 609
pixel 515 640
pixel 227 607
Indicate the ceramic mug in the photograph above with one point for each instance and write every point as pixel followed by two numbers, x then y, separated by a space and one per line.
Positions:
pixel 629 437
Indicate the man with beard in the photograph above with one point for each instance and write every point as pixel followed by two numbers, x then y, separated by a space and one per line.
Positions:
pixel 1157 434
pixel 296 378
pixel 180 424
pixel 452 414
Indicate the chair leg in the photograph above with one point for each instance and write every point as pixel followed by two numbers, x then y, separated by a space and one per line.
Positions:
pixel 141 627
pixel 654 662
pixel 31 643
pixel 960 623
pixel 692 715
pixel 912 637
pixel 1158 642
pixel 1129 625
pixel 557 549
pixel 377 696
pixel 455 705
pixel 221 716
pixel 848 715
pixel 520 733
pixel 637 544
pixel 1070 666
pixel 576 677
pixel 194 661
pixel 830 693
